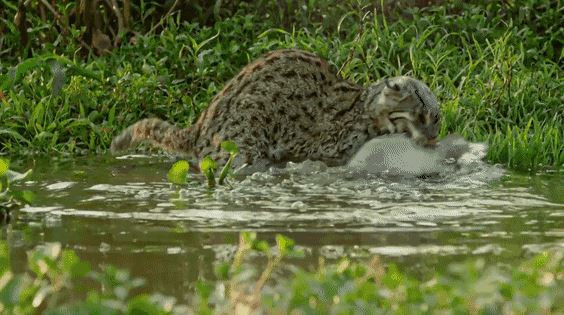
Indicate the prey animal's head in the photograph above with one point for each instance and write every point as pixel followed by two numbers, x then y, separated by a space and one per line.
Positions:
pixel 404 105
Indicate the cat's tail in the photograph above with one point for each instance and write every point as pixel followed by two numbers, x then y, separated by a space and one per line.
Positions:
pixel 155 131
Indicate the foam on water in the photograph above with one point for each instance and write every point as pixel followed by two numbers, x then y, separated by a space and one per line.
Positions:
pixel 311 196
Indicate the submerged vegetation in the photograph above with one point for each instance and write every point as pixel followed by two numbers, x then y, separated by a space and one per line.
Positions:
pixel 495 67
pixel 56 284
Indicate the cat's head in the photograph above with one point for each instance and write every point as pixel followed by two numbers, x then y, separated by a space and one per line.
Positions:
pixel 404 105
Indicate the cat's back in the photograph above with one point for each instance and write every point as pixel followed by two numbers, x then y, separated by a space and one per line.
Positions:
pixel 281 82
pixel 284 93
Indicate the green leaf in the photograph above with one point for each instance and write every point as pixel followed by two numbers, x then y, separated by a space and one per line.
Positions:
pixel 540 260
pixel 71 263
pixel 112 115
pixel 261 246
pixel 248 238
pixel 178 172
pixel 4 184
pixel 199 46
pixel 13 134
pixel 208 167
pixel 204 289
pixel 24 196
pixel 285 244
pixel 142 304
pixel 4 258
pixel 208 164
pixel 393 277
pixel 4 166
pixel 18 72
pixel 221 271
pixel 230 147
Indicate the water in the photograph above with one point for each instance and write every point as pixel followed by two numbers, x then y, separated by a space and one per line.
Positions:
pixel 123 212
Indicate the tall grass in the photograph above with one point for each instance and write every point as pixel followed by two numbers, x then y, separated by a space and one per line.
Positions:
pixel 494 67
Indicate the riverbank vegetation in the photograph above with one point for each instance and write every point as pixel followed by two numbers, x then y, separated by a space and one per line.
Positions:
pixel 59 282
pixel 72 76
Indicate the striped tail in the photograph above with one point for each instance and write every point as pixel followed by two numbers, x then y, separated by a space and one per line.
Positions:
pixel 157 132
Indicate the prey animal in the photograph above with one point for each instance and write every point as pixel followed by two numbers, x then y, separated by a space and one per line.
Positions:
pixel 289 105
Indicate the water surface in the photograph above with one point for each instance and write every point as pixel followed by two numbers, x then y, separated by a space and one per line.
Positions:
pixel 123 212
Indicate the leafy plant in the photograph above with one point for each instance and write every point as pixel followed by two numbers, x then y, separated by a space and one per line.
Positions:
pixel 11 198
pixel 59 66
pixel 232 148
pixel 499 85
pixel 55 283
pixel 208 167
pixel 178 172
pixel 349 287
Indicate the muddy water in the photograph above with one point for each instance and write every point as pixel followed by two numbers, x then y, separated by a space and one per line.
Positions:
pixel 123 212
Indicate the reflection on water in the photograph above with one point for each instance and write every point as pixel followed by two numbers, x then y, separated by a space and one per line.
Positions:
pixel 122 211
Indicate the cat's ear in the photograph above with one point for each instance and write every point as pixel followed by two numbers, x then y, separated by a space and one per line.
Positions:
pixel 374 90
pixel 392 86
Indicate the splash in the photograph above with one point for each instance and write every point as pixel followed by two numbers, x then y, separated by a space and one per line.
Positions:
pixel 453 162
pixel 397 155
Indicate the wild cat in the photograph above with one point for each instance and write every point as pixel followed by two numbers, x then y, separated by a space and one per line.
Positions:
pixel 289 105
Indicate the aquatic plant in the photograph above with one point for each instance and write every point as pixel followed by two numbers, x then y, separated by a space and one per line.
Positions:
pixel 231 148
pixel 10 197
pixel 208 166
pixel 57 281
pixel 178 172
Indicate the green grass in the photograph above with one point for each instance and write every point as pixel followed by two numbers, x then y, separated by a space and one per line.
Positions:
pixel 57 281
pixel 496 70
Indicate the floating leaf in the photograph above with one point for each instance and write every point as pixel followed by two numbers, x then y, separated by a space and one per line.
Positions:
pixel 230 147
pixel 178 172
pixel 208 164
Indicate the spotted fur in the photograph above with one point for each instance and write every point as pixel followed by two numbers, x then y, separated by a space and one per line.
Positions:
pixel 290 106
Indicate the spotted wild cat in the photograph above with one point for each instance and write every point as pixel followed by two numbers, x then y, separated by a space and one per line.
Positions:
pixel 290 106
